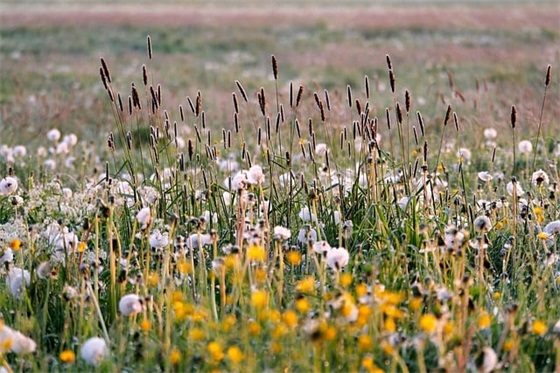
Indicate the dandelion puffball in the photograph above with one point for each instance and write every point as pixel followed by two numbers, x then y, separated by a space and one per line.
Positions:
pixel 539 178
pixel 525 147
pixel 485 176
pixel 8 185
pixel 144 217
pixel 482 224
pixel 490 133
pixel 282 233
pixel 94 350
pixel 518 189
pixel 17 342
pixel 337 258
pixel 53 135
pixel 130 304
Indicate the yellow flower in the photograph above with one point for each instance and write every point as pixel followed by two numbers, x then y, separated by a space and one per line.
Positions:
pixel 290 318
pixel 302 305
pixel 364 342
pixel 259 298
pixel 256 253
pixel 177 296
pixel 538 210
pixel 215 350
pixel 235 354
pixel 330 333
pixel 448 328
pixel 497 295
pixel 387 348
pixel 369 365
pixel 254 328
pixel 196 334
pixel 278 332
pixel 543 235
pixel 415 303
pixel 508 345
pixel 345 280
pixel 184 267
pixel 306 285
pixel 145 325
pixel 15 244
pixel 390 325
pixel 261 275
pixel 81 247
pixel 293 257
pixel 67 356
pixel 174 356
pixel 228 323
pixel 364 312
pixel 275 347
pixel 428 323
pixel 153 279
pixel 539 328
pixel 361 290
pixel 484 320
pixel 499 225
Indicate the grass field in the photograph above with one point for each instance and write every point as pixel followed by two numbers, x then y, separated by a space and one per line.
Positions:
pixel 279 187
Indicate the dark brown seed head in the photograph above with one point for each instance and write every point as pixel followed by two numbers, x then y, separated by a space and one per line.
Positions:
pixel 198 106
pixel 103 78
pixel 388 118
pixel 145 74
pixel 106 70
pixel 327 100
pixel 299 95
pixel 275 67
pixel 407 100
pixel 349 95
pixel 447 115
pixel 513 116
pixel 420 122
pixel 399 113
pixel 547 79
pixel 389 63
pixel 392 80
pixel 235 105
pixel 242 91
pixel 149 47
pixel 366 83
pixel 456 121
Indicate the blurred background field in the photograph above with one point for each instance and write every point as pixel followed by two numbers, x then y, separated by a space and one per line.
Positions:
pixel 492 53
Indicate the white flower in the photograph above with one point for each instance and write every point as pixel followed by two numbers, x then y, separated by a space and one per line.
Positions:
pixel 283 233
pixel 490 133
pixel 62 148
pixel 307 235
pixel 337 258
pixel 553 227
pixel 7 257
pixel 489 361
pixel 482 224
pixel 237 182
pixel 19 151
pixel 17 280
pixel 158 240
pixel 144 217
pixel 485 176
pixel 19 343
pixel 464 153
pixel 94 350
pixel 509 188
pixel 525 147
pixel 130 304
pixel 305 214
pixel 321 148
pixel 194 241
pixel 255 175
pixel 70 139
pixel 53 135
pixel 321 247
pixel 539 178
pixel 403 202
pixel 50 164
pixel 8 185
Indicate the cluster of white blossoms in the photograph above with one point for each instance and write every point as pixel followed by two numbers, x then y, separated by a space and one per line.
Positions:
pixel 14 341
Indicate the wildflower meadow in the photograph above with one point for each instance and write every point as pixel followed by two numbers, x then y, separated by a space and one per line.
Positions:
pixel 358 227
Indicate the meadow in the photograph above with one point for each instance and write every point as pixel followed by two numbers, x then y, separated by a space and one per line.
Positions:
pixel 314 188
